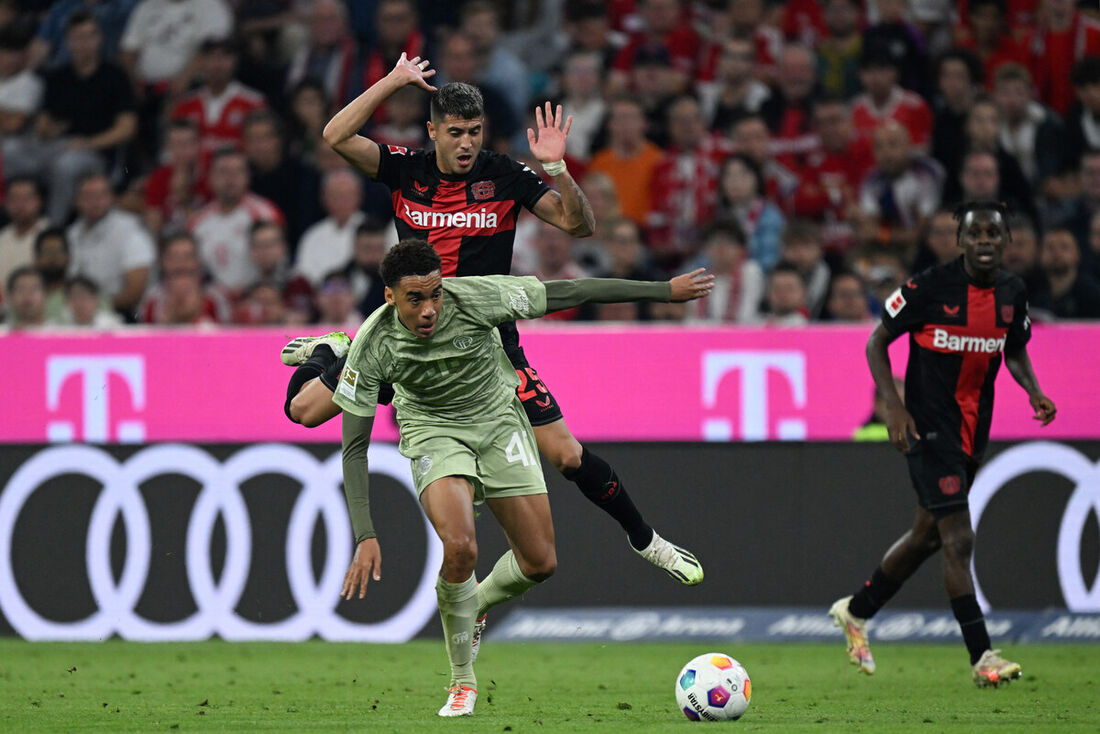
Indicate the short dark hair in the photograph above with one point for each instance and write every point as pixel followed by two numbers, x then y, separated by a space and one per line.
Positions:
pixel 459 100
pixel 31 181
pixel 14 38
pixel 21 272
pixel 754 168
pixel 409 257
pixel 372 225
pixel 727 227
pixel 80 17
pixel 785 266
pixel 262 116
pixel 54 232
pixel 980 206
pixel 81 281
pixel 264 224
pixel 965 57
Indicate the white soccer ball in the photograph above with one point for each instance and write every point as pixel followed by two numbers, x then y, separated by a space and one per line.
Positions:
pixel 713 687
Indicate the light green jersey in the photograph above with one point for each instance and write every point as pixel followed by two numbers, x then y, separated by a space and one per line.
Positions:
pixel 460 372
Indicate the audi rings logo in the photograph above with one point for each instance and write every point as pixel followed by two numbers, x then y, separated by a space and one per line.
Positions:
pixel 1085 475
pixel 219 496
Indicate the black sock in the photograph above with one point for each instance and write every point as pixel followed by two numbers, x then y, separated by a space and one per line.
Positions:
pixel 873 595
pixel 972 623
pixel 321 359
pixel 599 483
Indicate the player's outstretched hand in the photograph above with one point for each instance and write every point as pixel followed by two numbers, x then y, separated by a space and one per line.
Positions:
pixel 366 564
pixel 413 71
pixel 690 286
pixel 1044 408
pixel 900 424
pixel 547 143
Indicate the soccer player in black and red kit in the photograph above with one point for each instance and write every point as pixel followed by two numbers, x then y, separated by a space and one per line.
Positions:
pixel 961 317
pixel 465 201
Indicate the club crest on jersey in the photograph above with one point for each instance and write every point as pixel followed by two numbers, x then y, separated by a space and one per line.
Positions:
pixel 1007 312
pixel 895 303
pixel 519 302
pixel 483 190
pixel 424 465
pixel 463 342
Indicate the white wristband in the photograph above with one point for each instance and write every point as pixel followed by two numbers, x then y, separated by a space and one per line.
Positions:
pixel 554 168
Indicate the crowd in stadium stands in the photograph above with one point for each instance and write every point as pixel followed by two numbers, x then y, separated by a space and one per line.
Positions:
pixel 162 160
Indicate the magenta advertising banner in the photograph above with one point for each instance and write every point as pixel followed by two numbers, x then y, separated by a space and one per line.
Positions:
pixel 618 383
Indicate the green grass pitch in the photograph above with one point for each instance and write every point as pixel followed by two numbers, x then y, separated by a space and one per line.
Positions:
pixel 326 687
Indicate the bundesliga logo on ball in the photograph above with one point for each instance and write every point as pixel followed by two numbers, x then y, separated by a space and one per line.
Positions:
pixel 713 687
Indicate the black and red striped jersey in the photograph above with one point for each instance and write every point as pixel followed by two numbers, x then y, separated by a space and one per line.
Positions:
pixel 958 332
pixel 470 220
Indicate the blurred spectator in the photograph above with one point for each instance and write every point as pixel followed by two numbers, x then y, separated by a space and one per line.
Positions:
pixel 802 248
pixel 751 137
pixel 1083 118
pixel 847 302
pixel 87 117
pixel 590 252
pixel 629 159
pixel 222 226
pixel 940 244
pixel 20 88
pixel 627 258
pixel 176 190
pixel 181 295
pixel 220 106
pixel 589 29
pixel 655 84
pixel 51 260
pixel 499 67
pixel 1030 132
pixel 26 298
pixel 741 197
pixel 983 124
pixel 396 32
pixel 261 305
pixel 738 279
pixel 886 100
pixel 280 176
pixel 839 51
pixel 581 98
pixel 261 24
pixel 1021 253
pixel 335 301
pixel 329 54
pixel 1062 37
pixel 734 93
pixel 685 184
pixel 957 74
pixel 1076 213
pixel 556 262
pixel 309 107
pixel 459 63
pixel 267 247
pixel 748 20
pixel 986 33
pixel 23 205
pixel 979 179
pixel 1093 260
pixel 158 52
pixel 831 177
pixel 109 246
pixel 662 26
pixel 785 296
pixel 363 271
pixel 1069 292
pixel 787 111
pixel 900 192
pixel 884 271
pixel 875 429
pixel 327 245
pixel 404 115
pixel 892 34
pixel 50 48
pixel 84 306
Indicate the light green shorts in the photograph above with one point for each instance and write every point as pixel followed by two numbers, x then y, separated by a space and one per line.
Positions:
pixel 499 457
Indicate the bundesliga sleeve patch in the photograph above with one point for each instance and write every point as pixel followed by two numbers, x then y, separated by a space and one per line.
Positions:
pixel 895 303
pixel 349 380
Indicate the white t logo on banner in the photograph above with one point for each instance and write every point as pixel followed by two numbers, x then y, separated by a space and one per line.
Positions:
pixel 754 368
pixel 96 403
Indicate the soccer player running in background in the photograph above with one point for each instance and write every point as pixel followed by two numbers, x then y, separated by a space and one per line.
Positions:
pixel 961 317
pixel 465 201
pixel 463 427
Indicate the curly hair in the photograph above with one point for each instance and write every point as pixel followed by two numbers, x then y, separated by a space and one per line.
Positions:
pixel 409 257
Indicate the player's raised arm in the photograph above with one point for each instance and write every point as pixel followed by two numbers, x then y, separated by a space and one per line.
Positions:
pixel 563 294
pixel 367 562
pixel 567 208
pixel 1019 366
pixel 342 131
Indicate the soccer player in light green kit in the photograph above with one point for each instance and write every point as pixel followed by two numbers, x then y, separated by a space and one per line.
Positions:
pixel 463 428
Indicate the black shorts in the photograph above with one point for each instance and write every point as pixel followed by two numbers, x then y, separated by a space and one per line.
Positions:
pixel 942 479
pixel 538 402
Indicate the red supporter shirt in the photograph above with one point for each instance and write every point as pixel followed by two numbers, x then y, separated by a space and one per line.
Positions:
pixel 1052 55
pixel 828 186
pixel 903 106
pixel 220 119
pixel 682 44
